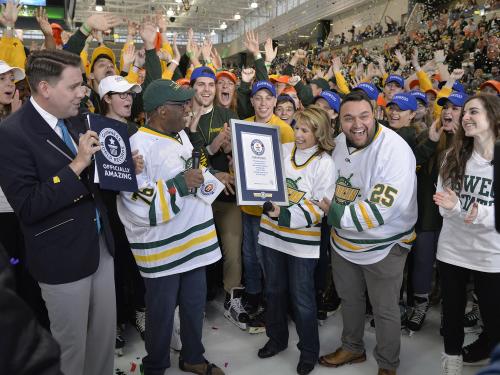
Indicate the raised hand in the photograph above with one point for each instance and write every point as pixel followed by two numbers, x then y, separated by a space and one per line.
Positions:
pixel 301 54
pixel 140 58
pixel 161 22
pixel 439 56
pixel 216 59
pixel 132 28
pixel 104 22
pixel 252 42
pixel 16 102
pixel 128 56
pixel 401 59
pixel 9 13
pixel 148 35
pixel 414 59
pixel 294 80
pixel 206 50
pixel 247 75
pixel 175 48
pixel 43 21
pixel 434 132
pixel 457 74
pixel 270 51
pixel 336 64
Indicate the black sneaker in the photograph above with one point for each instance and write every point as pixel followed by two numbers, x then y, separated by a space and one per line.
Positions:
pixel 251 303
pixel 417 317
pixel 140 321
pixel 120 341
pixel 471 318
pixel 478 352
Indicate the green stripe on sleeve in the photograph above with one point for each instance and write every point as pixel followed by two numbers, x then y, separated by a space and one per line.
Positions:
pixel 175 209
pixel 352 208
pixel 152 212
pixel 335 214
pixel 284 217
pixel 376 212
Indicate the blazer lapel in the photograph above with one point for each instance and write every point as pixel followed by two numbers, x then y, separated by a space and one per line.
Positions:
pixel 43 129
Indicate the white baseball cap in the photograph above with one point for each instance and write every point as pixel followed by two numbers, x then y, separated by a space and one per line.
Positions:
pixel 117 84
pixel 18 72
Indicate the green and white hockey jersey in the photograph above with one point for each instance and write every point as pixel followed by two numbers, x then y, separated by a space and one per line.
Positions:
pixel 169 230
pixel 309 176
pixel 375 201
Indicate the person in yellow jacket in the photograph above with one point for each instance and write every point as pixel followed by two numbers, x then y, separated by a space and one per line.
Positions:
pixel 263 99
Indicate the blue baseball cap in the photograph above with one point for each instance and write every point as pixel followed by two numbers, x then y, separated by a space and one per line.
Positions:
pixel 395 78
pixel 331 98
pixel 420 95
pixel 370 89
pixel 457 86
pixel 261 85
pixel 456 98
pixel 405 102
pixel 202 71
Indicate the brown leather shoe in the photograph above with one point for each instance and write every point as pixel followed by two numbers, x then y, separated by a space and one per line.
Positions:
pixel 384 371
pixel 341 357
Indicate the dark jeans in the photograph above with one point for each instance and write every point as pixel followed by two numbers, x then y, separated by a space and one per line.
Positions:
pixel 291 276
pixel 252 254
pixel 163 294
pixel 454 281
pixel 422 261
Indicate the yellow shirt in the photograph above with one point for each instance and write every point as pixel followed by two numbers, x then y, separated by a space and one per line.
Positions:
pixel 286 136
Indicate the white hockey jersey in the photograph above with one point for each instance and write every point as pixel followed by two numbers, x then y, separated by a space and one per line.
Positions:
pixel 169 230
pixel 309 175
pixel 375 202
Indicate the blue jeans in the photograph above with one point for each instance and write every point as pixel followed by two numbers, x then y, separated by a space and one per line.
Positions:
pixel 423 257
pixel 252 254
pixel 163 294
pixel 287 275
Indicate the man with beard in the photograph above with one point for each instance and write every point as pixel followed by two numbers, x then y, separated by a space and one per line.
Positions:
pixel 211 135
pixel 373 213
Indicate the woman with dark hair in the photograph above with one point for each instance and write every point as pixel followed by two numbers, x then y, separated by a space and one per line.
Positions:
pixel 468 243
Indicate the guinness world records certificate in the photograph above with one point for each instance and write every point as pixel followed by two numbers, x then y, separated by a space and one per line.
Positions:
pixel 258 163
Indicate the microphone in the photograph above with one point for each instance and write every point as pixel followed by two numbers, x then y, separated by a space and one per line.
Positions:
pixel 85 115
pixel 268 206
pixel 195 158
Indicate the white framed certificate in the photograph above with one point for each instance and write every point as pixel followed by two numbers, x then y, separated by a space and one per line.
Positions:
pixel 258 163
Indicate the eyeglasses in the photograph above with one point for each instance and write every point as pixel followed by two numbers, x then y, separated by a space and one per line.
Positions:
pixel 124 95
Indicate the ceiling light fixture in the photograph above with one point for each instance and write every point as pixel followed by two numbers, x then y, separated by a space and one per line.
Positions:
pixel 254 5
pixel 178 1
pixel 213 33
pixel 223 26
pixel 170 12
pixel 98 8
pixel 237 16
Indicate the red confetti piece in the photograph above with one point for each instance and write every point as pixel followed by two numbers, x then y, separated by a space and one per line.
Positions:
pixel 133 366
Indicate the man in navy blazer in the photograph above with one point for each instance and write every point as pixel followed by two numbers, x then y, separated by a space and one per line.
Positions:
pixel 47 175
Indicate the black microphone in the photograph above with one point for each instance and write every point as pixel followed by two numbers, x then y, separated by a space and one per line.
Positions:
pixel 267 207
pixel 195 159
pixel 84 112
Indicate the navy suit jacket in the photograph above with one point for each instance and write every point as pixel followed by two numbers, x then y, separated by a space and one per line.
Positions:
pixel 56 208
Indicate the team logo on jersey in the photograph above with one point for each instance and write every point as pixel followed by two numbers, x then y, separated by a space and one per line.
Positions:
pixel 294 194
pixel 345 193
pixel 112 146
pixel 208 188
pixel 257 147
